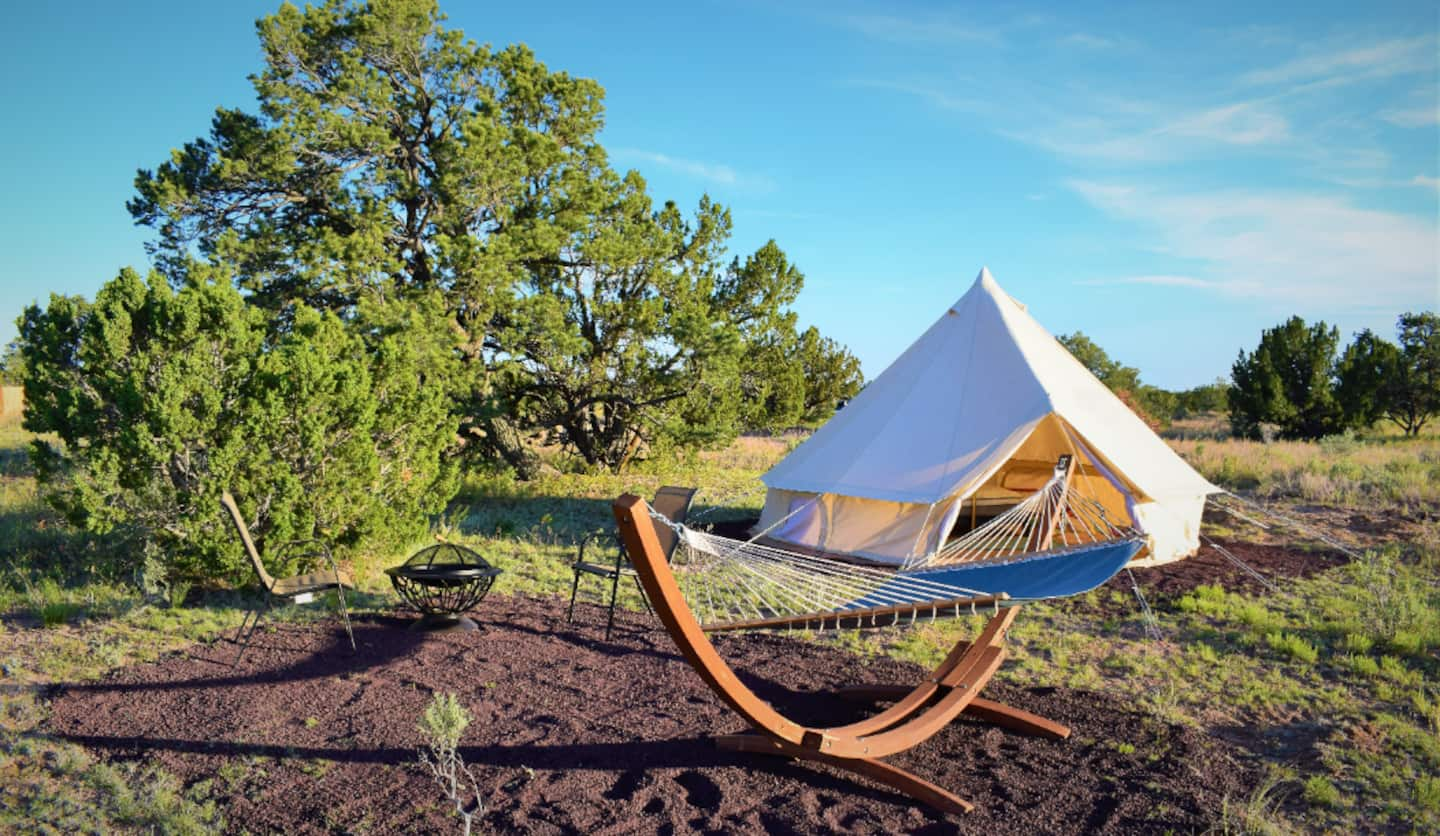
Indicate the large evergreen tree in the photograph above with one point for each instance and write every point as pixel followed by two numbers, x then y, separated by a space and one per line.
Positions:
pixel 392 156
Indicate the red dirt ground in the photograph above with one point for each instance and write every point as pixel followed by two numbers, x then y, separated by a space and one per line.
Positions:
pixel 576 734
pixel 1209 566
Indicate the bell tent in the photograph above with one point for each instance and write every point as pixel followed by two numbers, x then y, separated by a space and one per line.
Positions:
pixel 967 422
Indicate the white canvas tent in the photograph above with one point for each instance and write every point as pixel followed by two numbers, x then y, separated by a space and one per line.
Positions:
pixel 970 419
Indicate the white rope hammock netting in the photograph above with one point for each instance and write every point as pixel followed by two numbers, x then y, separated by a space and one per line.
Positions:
pixel 735 584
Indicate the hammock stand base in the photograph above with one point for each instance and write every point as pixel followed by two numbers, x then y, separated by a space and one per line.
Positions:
pixel 916 714
pixel 995 713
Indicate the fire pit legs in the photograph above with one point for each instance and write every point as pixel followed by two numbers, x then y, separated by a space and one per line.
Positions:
pixel 444 623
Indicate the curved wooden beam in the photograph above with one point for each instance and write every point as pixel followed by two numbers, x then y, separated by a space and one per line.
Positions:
pixel 876 770
pixel 915 717
pixel 996 713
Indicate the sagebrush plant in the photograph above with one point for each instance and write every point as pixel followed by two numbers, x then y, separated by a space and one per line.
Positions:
pixel 443 724
pixel 161 398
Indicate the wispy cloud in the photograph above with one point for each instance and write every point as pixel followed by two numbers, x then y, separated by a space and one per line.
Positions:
pixel 1329 65
pixel 1288 111
pixel 1416 117
pixel 1158 281
pixel 1242 123
pixel 1152 133
pixel 930 29
pixel 1088 41
pixel 935 95
pixel 716 173
pixel 1306 249
pixel 1426 181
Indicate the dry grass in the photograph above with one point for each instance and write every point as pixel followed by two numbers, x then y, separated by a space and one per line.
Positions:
pixel 1332 471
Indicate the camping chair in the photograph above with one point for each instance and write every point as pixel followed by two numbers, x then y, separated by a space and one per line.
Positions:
pixel 300 589
pixel 671 501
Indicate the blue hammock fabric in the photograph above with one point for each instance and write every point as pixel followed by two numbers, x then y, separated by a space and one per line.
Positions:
pixel 1055 575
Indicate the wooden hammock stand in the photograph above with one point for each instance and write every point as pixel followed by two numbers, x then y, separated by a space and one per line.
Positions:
pixel 916 714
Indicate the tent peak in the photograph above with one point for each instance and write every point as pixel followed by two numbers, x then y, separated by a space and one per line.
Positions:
pixel 985 282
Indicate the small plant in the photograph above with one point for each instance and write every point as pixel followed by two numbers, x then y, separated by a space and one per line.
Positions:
pixel 57 613
pixel 443 724
pixel 1319 792
pixel 1357 643
pixel 1293 647
pixel 1427 793
pixel 176 592
pixel 1258 815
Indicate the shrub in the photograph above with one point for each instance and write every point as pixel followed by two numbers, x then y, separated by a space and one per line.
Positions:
pixel 1319 792
pixel 1292 647
pixel 1427 793
pixel 163 398
pixel 443 724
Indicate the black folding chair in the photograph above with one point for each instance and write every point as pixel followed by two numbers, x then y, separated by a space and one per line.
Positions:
pixel 299 589
pixel 674 503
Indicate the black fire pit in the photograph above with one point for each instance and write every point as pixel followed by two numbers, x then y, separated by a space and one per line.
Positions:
pixel 443 581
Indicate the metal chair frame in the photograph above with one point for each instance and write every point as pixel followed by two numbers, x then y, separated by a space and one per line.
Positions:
pixel 672 501
pixel 292 588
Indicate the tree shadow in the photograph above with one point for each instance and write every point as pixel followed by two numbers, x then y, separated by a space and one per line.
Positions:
pixel 380 639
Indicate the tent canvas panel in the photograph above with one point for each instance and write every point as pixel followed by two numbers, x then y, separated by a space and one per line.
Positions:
pixel 891 532
pixel 985 390
pixel 888 532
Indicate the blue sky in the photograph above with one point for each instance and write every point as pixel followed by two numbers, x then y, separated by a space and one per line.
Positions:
pixel 1169 181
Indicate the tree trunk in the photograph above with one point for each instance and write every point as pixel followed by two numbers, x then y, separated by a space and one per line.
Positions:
pixel 508 442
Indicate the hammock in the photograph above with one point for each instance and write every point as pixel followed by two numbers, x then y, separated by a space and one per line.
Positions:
pixel 1054 544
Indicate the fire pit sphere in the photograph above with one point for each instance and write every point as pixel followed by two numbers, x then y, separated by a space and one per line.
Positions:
pixel 443 581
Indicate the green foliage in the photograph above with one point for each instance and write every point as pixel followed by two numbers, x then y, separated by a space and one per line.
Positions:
pixel 1320 792
pixel 12 365
pixel 1286 381
pixel 391 157
pixel 636 339
pixel 1292 647
pixel 1112 373
pixel 444 722
pixel 1211 397
pixel 795 380
pixel 163 398
pixel 1412 397
pixel 1366 368
pixel 1375 379
pixel 1154 405
pixel 1294 381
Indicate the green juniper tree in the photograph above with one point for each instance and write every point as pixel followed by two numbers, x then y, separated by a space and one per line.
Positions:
pixel 392 156
pixel 162 397
pixel 1367 368
pixel 1286 381
pixel 1413 397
